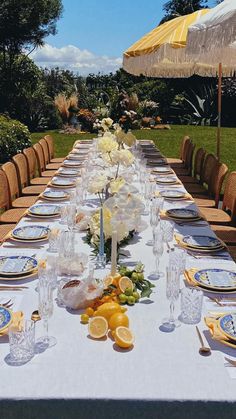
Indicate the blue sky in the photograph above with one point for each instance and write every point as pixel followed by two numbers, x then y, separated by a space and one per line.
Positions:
pixel 92 34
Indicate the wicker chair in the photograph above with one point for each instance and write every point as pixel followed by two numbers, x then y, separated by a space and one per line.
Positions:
pixel 197 169
pixel 187 170
pixel 4 230
pixel 30 155
pixel 209 166
pixel 226 215
pixel 215 186
pixel 49 166
pixel 41 162
pixel 232 252
pixel 9 215
pixel 50 143
pixel 21 167
pixel 225 233
pixel 182 154
pixel 15 200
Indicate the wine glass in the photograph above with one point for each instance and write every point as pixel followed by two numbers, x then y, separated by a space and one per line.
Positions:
pixel 157 250
pixel 172 294
pixel 154 220
pixel 45 308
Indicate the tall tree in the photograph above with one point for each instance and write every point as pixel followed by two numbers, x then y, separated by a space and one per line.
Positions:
pixel 176 8
pixel 25 23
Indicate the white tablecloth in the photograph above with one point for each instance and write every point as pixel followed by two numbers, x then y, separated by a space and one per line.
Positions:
pixel 162 376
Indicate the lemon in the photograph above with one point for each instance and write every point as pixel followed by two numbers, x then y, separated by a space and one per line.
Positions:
pixel 98 327
pixel 84 318
pixel 107 309
pixel 123 337
pixel 108 281
pixel 124 283
pixel 89 311
pixel 118 319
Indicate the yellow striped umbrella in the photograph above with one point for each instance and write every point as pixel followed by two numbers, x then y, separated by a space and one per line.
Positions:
pixel 161 52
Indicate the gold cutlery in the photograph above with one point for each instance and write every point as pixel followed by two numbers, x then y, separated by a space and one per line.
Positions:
pixel 203 350
pixel 230 361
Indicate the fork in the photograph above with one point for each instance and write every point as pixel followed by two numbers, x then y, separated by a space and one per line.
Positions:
pixel 223 304
pixel 231 361
pixel 8 304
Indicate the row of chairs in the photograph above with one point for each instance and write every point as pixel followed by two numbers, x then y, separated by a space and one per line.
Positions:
pixel 203 177
pixel 23 179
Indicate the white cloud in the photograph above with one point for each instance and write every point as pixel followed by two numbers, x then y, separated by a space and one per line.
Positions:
pixel 74 59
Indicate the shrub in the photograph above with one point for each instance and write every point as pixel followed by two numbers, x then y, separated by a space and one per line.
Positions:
pixel 14 137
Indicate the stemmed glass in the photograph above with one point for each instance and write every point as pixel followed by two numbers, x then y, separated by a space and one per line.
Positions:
pixel 157 251
pixel 172 294
pixel 154 220
pixel 45 293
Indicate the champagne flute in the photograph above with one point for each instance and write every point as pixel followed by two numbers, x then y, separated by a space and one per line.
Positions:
pixel 157 250
pixel 45 308
pixel 172 294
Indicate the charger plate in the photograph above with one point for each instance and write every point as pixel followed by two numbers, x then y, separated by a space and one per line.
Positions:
pixel 20 277
pixel 173 194
pixel 29 265
pixel 202 242
pixel 43 210
pixel 5 318
pixel 71 163
pixel 216 279
pixel 183 214
pixel 167 181
pixel 62 182
pixel 30 232
pixel 227 325
pixel 53 195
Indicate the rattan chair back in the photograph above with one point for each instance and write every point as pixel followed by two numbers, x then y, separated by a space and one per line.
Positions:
pixel 50 144
pixel 189 157
pixel 44 146
pixel 198 162
pixel 4 192
pixel 12 178
pixel 40 157
pixel 22 172
pixel 229 200
pixel 210 164
pixel 217 180
pixel 184 149
pixel 30 155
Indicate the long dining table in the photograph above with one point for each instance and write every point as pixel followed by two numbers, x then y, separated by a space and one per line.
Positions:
pixel 162 376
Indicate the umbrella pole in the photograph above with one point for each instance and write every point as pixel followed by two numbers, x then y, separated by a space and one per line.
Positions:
pixel 219 110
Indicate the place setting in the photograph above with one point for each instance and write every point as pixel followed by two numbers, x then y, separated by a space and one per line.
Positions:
pixel 174 195
pixel 72 163
pixel 30 234
pixel 44 211
pixel 58 182
pixel 66 172
pixel 55 195
pixel 15 268
pixel 169 180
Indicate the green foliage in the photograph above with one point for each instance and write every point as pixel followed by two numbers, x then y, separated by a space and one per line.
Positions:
pixel 201 106
pixel 59 81
pixel 14 137
pixel 24 24
pixel 176 8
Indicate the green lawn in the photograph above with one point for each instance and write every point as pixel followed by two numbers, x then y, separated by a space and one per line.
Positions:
pixel 168 141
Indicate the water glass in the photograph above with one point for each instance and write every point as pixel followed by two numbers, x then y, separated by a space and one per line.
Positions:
pixel 167 228
pixel 178 258
pixel 71 216
pixel 22 341
pixel 53 240
pixel 191 305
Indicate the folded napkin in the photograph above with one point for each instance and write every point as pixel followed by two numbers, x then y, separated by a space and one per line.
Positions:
pixel 216 333
pixel 189 276
pixel 17 322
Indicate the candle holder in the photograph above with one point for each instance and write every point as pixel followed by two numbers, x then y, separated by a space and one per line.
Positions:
pixel 101 261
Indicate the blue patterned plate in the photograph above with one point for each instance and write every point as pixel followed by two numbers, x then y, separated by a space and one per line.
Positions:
pixel 71 163
pixel 5 318
pixel 202 242
pixel 62 182
pixel 31 232
pixel 216 279
pixel 173 194
pixel 42 210
pixel 182 213
pixel 227 325
pixel 57 195
pixel 17 265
